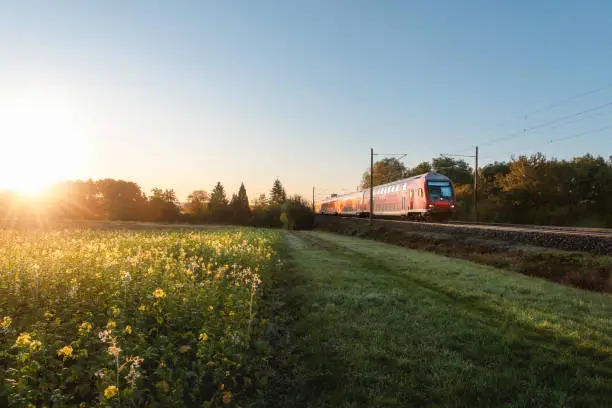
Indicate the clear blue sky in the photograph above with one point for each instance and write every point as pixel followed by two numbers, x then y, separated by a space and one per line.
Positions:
pixel 184 94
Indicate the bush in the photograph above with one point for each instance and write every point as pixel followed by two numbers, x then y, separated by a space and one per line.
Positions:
pixel 267 217
pixel 297 214
pixel 294 214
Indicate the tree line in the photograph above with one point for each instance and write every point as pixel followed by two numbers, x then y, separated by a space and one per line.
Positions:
pixel 526 189
pixel 120 200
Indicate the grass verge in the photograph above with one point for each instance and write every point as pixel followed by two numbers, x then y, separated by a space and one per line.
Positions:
pixel 578 269
pixel 379 326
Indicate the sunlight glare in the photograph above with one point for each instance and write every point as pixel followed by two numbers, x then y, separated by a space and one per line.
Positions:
pixel 39 140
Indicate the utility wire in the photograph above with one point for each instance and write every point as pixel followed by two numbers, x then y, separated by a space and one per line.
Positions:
pixel 588 132
pixel 543 125
pixel 544 109
pixel 556 104
pixel 564 138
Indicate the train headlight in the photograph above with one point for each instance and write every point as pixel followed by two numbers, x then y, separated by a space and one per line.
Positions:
pixel 430 205
pixel 452 205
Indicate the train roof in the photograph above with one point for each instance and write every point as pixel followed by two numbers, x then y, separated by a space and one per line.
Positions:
pixel 426 176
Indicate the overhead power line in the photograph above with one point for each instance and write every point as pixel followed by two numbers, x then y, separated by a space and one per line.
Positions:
pixel 564 138
pixel 545 124
pixel 557 104
pixel 588 132
pixel 540 110
pixel 582 118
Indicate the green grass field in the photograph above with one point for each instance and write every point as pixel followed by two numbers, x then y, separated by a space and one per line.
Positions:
pixel 377 325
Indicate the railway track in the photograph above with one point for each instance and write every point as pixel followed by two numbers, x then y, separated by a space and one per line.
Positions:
pixel 581 231
pixel 526 227
pixel 593 240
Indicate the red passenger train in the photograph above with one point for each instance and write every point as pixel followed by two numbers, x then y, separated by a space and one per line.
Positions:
pixel 426 196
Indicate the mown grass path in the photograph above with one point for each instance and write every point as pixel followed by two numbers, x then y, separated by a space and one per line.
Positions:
pixel 377 325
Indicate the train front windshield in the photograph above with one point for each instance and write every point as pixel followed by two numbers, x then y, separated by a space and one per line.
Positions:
pixel 440 190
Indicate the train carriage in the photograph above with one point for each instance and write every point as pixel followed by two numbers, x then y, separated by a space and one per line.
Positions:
pixel 426 196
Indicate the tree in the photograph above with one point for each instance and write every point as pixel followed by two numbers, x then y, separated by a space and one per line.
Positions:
pixel 456 170
pixel 260 202
pixel 385 171
pixel 121 200
pixel 163 205
pixel 277 194
pixel 196 204
pixel 241 212
pixel 218 204
pixel 75 200
pixel 297 214
pixel 421 168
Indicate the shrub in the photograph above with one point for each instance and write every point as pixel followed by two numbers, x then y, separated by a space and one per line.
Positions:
pixel 297 214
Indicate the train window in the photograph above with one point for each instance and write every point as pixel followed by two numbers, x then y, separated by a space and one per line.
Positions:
pixel 404 187
pixel 411 194
pixel 420 192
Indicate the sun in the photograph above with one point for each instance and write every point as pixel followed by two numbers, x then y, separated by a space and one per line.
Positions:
pixel 40 140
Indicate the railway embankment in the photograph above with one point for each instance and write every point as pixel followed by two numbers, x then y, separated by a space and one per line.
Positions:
pixel 582 261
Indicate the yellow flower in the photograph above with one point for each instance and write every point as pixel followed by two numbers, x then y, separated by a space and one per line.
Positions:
pixel 23 339
pixel 6 321
pixel 115 311
pixel 65 351
pixel 128 329
pixel 35 345
pixel 159 293
pixel 184 349
pixel 111 324
pixel 203 337
pixel 227 397
pixel 110 392
pixel 85 327
pixel 142 308
pixel 210 308
pixel 48 314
